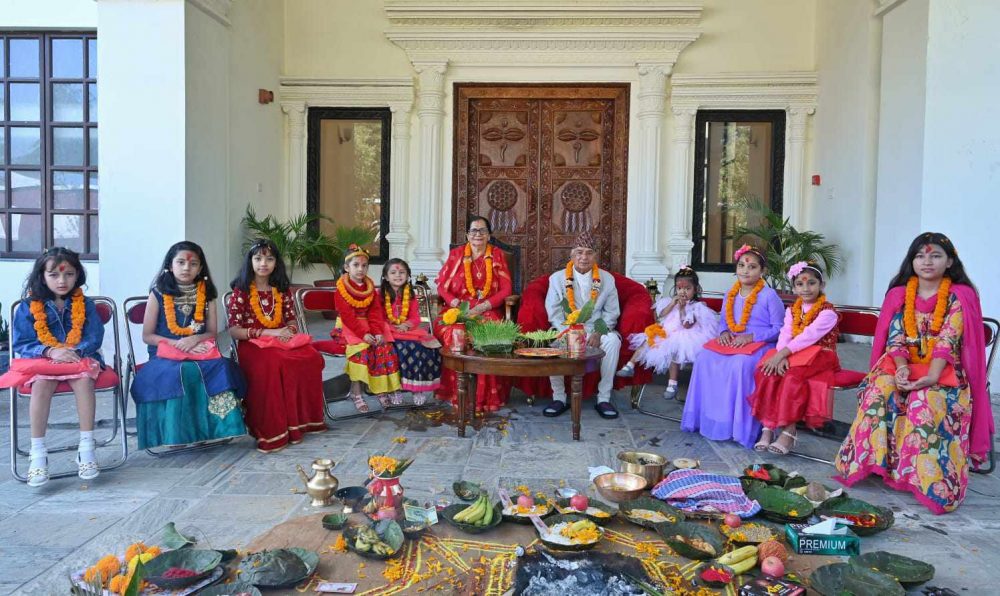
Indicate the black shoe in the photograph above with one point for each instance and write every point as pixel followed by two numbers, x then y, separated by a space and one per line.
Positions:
pixel 555 408
pixel 606 410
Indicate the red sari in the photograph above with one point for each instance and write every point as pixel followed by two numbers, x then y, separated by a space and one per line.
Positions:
pixel 491 391
pixel 284 387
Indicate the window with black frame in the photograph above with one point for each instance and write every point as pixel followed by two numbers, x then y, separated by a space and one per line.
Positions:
pixel 739 160
pixel 48 142
pixel 348 172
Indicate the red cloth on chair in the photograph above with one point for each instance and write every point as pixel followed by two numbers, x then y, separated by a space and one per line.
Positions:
pixel 166 350
pixel 637 314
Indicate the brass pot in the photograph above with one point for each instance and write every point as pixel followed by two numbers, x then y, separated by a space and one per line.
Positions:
pixel 648 465
pixel 322 484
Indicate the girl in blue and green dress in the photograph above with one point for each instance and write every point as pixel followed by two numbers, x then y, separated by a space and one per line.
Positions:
pixel 197 398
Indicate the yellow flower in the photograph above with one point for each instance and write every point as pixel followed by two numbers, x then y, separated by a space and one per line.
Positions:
pixel 450 316
pixel 572 317
pixel 399 440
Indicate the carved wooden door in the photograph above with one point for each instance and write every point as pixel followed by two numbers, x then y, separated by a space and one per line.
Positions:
pixel 543 163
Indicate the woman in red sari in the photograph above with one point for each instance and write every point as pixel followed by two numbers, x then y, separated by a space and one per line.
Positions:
pixel 284 386
pixel 476 273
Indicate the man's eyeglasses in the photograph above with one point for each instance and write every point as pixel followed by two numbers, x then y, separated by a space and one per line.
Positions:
pixel 478 232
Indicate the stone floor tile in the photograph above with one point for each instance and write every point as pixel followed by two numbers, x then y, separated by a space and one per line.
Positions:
pixel 260 483
pixel 244 509
pixel 19 565
pixel 61 530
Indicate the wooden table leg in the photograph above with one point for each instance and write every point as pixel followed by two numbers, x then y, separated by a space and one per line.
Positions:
pixel 576 402
pixel 462 380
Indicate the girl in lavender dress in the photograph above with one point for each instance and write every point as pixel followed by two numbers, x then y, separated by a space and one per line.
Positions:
pixel 723 375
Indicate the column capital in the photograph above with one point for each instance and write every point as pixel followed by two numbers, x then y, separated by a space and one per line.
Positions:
pixel 660 70
pixel 653 89
pixel 430 74
pixel 295 112
pixel 290 107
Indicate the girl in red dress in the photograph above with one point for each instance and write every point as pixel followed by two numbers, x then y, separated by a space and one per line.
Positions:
pixel 476 273
pixel 285 384
pixel 793 381
pixel 362 325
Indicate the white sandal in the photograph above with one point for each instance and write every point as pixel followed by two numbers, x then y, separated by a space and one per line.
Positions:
pixel 420 398
pixel 780 449
pixel 38 475
pixel 86 470
pixel 763 445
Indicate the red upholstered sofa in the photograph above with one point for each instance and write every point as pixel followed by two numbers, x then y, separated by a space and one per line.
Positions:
pixel 637 313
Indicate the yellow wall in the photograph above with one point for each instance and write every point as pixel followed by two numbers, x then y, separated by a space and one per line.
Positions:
pixel 345 38
pixel 752 35
pixel 341 39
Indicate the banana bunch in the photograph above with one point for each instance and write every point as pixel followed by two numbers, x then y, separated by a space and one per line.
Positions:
pixel 368 541
pixel 740 560
pixel 479 513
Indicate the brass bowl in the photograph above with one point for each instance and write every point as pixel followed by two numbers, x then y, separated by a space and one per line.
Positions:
pixel 648 465
pixel 619 487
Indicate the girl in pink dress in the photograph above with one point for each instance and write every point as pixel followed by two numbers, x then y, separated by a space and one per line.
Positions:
pixel 685 324
pixel 419 358
pixel 793 381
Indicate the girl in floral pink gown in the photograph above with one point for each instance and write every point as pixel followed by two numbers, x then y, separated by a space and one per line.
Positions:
pixel 924 409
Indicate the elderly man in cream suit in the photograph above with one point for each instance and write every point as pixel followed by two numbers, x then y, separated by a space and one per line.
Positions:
pixel 584 278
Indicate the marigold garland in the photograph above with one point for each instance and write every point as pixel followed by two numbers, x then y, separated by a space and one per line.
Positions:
pixel 747 306
pixel 403 311
pixel 170 314
pixel 595 285
pixel 78 315
pixel 467 263
pixel 354 298
pixel 800 322
pixel 910 319
pixel 653 331
pixel 270 322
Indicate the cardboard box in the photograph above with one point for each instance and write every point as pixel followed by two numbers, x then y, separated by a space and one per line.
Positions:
pixel 770 586
pixel 841 545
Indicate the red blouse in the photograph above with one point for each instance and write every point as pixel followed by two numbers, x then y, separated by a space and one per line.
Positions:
pixel 451 279
pixel 241 314
pixel 412 317
pixel 361 321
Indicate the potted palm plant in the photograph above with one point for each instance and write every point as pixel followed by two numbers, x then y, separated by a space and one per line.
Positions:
pixel 299 242
pixel 784 244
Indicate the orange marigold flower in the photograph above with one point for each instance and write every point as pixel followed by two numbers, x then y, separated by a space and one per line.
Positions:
pixel 340 545
pixel 134 550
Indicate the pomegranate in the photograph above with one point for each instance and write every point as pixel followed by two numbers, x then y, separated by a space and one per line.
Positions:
pixel 773 566
pixel 525 501
pixel 732 520
pixel 579 502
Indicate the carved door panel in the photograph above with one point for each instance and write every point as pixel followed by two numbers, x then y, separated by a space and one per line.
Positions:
pixel 543 164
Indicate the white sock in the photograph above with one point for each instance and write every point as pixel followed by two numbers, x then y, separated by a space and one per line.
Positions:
pixel 671 383
pixel 38 449
pixel 87 446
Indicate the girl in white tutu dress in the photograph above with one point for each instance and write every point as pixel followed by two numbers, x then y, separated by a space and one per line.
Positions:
pixel 685 325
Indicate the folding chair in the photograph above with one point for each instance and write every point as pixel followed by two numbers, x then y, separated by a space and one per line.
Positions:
pixel 318 300
pixel 109 380
pixel 135 312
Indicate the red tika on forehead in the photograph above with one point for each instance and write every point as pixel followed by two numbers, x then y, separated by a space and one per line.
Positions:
pixel 928 248
pixel 62 266
pixel 187 255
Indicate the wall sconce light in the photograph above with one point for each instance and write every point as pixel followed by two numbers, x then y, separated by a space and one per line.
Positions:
pixel 264 96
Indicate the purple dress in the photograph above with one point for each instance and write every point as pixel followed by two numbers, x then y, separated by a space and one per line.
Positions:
pixel 716 402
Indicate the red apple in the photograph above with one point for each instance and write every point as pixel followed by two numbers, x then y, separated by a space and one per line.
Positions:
pixel 579 502
pixel 773 566
pixel 732 520
pixel 525 501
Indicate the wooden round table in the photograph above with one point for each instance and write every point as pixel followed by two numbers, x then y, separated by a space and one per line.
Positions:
pixel 510 365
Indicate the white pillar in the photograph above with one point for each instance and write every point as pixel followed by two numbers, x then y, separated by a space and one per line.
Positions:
pixel 430 111
pixel 795 159
pixel 647 260
pixel 399 176
pixel 679 198
pixel 295 116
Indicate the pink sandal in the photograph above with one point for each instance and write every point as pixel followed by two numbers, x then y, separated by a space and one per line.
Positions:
pixel 384 400
pixel 359 402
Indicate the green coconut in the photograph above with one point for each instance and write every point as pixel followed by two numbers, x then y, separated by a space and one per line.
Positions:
pixel 908 572
pixel 691 540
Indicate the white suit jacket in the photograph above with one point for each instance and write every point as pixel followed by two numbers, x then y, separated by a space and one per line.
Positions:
pixel 606 306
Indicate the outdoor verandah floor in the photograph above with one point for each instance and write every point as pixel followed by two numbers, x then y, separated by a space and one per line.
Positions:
pixel 229 494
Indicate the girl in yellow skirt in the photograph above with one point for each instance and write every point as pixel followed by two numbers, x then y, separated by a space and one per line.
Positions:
pixel 370 355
